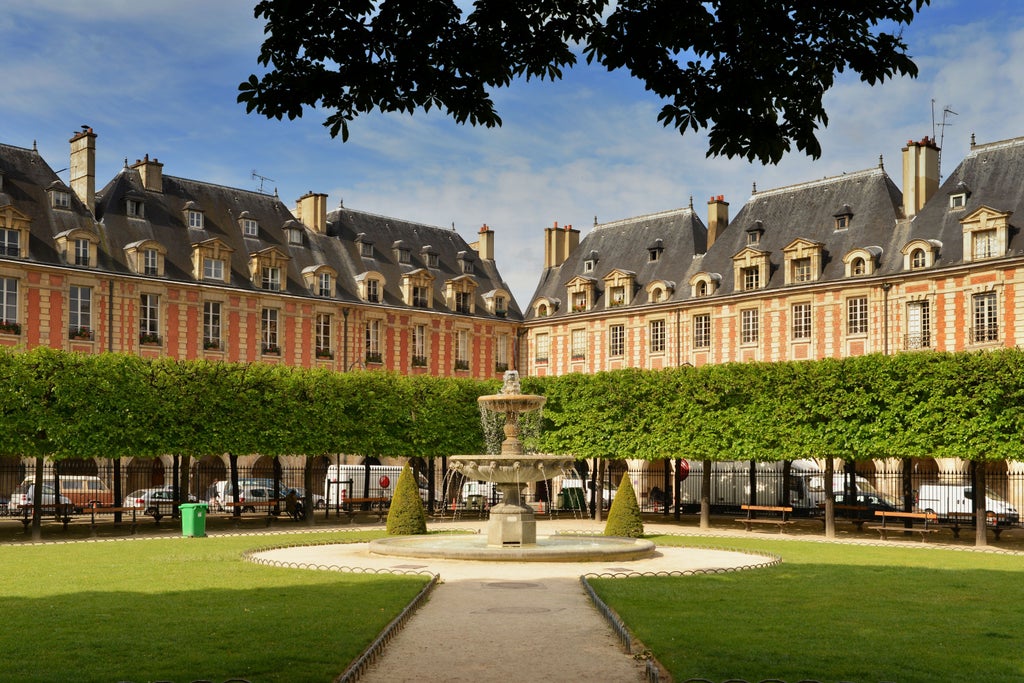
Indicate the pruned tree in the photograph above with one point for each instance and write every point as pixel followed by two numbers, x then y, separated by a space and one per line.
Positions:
pixel 753 72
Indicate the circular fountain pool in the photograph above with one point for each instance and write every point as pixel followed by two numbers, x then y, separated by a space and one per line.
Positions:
pixel 561 548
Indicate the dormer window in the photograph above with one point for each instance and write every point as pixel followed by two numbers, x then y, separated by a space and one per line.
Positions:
pixel 579 302
pixel 429 257
pixel 371 286
pixel 78 247
pixel 751 278
pixel 659 290
pixel 271 279
pixel 319 280
pixel 919 254
pixel 985 233
pixel 195 219
pixel 460 294
pixel 418 288
pixel 465 262
pixel 267 269
pixel 60 199
pixel 803 261
pixel 10 242
pixel 250 228
pixel 754 234
pixel 588 266
pixel 843 217
pixel 861 262
pixel 654 251
pixel 365 245
pixel 496 302
pixel 14 232
pixel 373 291
pixel 325 284
pixel 617 297
pixel 402 253
pixel 420 296
pixel 619 287
pixel 146 257
pixel 294 235
pixel 918 259
pixel 213 269
pixel 134 208
pixel 702 289
pixel 958 196
pixel 858 267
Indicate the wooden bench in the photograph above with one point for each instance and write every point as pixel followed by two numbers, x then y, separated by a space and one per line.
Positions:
pixel 928 518
pixel 377 504
pixel 61 512
pixel 94 510
pixel 961 520
pixel 251 505
pixel 782 520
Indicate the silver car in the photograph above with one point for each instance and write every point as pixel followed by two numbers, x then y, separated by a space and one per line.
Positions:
pixel 159 500
pixel 21 499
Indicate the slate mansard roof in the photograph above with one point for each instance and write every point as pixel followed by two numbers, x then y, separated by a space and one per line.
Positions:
pixel 27 178
pixel 626 245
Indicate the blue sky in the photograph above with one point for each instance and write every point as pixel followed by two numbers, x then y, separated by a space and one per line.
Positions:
pixel 160 78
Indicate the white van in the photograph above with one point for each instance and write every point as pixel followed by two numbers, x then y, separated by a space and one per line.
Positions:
pixel 349 481
pixel 957 500
pixel 83 490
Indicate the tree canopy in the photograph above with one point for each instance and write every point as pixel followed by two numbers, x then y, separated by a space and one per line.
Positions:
pixel 752 72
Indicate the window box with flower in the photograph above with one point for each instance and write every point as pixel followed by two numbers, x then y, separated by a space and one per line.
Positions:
pixel 271 350
pixel 324 354
pixel 81 333
pixel 149 339
pixel 211 344
pixel 462 365
pixel 419 361
pixel 501 367
pixel 374 358
pixel 9 327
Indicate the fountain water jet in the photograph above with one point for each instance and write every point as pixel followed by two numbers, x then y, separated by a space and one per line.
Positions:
pixel 512 528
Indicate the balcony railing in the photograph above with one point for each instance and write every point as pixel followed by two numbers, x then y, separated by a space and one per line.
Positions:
pixel 917 341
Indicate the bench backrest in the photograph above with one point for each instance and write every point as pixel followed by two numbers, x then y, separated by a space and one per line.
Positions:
pixel 766 508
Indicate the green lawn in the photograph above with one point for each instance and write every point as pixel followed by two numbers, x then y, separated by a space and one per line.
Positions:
pixel 185 609
pixel 834 612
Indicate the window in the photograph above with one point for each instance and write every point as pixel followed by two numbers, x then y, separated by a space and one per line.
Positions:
pixel 430 259
pixel 749 326
pixel 578 342
pixel 986 318
pixel 80 312
pixel 211 325
pixel 404 256
pixel 323 335
pixel 842 222
pixel 753 238
pixel 702 288
pixel 9 305
pixel 294 235
pixel 195 219
pixel 801 321
pixel 419 346
pixel 133 207
pixel 149 319
pixel 918 259
pixel 802 270
pixel 467 265
pixel 419 296
pixel 81 252
pixel 268 331
pixel 501 353
pixel 366 249
pixel 656 333
pixel 617 297
pixel 985 244
pixel 500 309
pixel 61 200
pixel 271 278
pixel 213 269
pixel 372 334
pixel 373 291
pixel 588 266
pixel 918 325
pixel 462 350
pixel 10 242
pixel 702 331
pixel 616 340
pixel 654 254
pixel 324 284
pixel 751 277
pixel 542 348
pixel 857 315
pixel 957 201
pixel 250 228
pixel 150 262
pixel 858 267
pixel 579 302
pixel 462 302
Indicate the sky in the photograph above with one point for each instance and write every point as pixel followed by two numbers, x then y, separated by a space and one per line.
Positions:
pixel 161 78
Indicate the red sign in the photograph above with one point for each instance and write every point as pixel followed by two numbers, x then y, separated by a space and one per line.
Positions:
pixel 684 469
pixel 384 481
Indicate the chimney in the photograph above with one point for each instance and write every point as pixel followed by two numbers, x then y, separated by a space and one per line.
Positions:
pixel 558 244
pixel 484 246
pixel 718 218
pixel 311 210
pixel 83 167
pixel 151 172
pixel 920 174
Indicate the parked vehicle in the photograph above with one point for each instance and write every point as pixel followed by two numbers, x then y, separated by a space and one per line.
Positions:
pixel 956 501
pixel 83 490
pixel 5 506
pixel 23 497
pixel 571 490
pixel 253 490
pixel 353 481
pixel 159 500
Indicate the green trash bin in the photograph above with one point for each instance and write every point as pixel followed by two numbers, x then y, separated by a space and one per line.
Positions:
pixel 193 519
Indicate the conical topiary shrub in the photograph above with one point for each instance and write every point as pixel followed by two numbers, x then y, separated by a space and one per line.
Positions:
pixel 406 516
pixel 624 517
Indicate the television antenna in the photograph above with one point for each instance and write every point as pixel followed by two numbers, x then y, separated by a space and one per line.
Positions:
pixel 946 111
pixel 262 179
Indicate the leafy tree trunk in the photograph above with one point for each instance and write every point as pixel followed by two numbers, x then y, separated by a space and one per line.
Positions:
pixel 705 494
pixel 118 493
pixel 277 485
pixel 752 483
pixel 233 462
pixel 830 499
pixel 37 501
pixel 980 505
pixel 307 482
pixel 598 491
pixel 184 483
pixel 176 485
pixel 908 486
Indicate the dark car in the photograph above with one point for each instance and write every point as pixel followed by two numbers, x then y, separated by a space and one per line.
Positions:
pixel 864 505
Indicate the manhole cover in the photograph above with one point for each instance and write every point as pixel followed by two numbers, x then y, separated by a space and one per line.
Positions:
pixel 513 584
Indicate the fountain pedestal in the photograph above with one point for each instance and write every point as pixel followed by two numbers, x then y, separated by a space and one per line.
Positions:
pixel 511 525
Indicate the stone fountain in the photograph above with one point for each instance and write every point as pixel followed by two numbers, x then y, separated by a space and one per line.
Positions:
pixel 512 528
pixel 512 522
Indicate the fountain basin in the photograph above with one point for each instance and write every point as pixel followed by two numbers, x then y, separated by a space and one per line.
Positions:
pixel 516 469
pixel 561 548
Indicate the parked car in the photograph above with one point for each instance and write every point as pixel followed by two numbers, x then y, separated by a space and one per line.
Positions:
pixel 254 490
pixel 23 495
pixel 871 502
pixel 82 490
pixel 155 500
